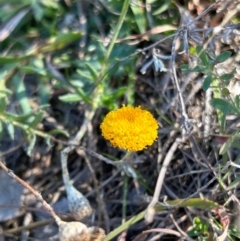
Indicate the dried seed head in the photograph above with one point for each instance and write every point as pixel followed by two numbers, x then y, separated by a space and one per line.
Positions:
pixel 78 205
pixel 96 234
pixel 76 231
pixel 73 231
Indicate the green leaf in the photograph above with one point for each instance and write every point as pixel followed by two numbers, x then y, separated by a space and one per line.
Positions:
pixel 44 90
pixel 23 118
pixel 163 8
pixel 75 97
pixel 151 1
pixel 139 15
pixel 21 94
pixel 48 141
pixel 10 128
pixel 3 104
pixel 234 232
pixel 70 98
pixel 225 147
pixel 236 144
pixel 200 227
pixel 16 21
pixel 58 131
pixel 31 69
pixel 31 141
pixel 223 56
pixel 109 99
pixel 234 183
pixel 203 55
pixel 93 72
pixel 223 120
pixel 60 41
pixel 51 4
pixel 13 59
pixel 225 92
pixel 237 101
pixel 38 10
pixel 77 83
pixel 1 129
pixel 207 82
pixel 4 92
pixel 222 105
pixel 226 78
pixel 198 68
pixel 37 119
pixel 184 67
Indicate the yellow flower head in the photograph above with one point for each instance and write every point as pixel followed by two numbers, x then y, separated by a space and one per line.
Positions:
pixel 130 128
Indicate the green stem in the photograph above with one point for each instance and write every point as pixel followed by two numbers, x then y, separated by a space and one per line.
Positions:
pixel 24 127
pixel 125 158
pixel 115 35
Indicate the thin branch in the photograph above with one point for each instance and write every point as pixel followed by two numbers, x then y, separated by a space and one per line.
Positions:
pixel 47 207
pixel 149 215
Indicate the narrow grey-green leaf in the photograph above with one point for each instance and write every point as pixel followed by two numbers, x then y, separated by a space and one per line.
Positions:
pixel 225 147
pixel 38 10
pixel 207 82
pixel 184 67
pixel 31 141
pixel 139 15
pixel 203 55
pixel 198 68
pixel 58 131
pixel 21 94
pixel 70 98
pixel 10 128
pixel 8 27
pixel 23 118
pixel 237 101
pixel 223 56
pixel 93 72
pixel 162 8
pixel 12 59
pixel 37 119
pixel 1 129
pixel 60 41
pixel 3 104
pixel 31 69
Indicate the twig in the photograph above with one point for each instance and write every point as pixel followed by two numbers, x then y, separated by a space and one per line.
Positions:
pixel 179 229
pixel 125 190
pixel 104 183
pixel 159 230
pixel 27 227
pixel 208 114
pixel 13 148
pixel 101 204
pixel 78 204
pixel 217 29
pixel 34 192
pixel 185 120
pixel 150 209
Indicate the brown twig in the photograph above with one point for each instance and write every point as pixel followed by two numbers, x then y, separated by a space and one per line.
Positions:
pixel 47 207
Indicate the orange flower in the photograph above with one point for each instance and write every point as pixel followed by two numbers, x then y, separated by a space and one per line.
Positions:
pixel 130 128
